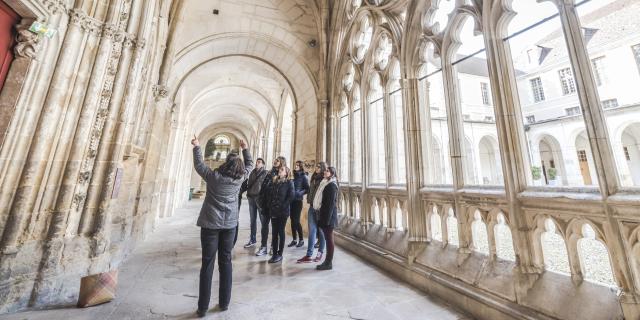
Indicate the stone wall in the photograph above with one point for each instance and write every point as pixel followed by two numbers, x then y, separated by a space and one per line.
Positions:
pixel 80 163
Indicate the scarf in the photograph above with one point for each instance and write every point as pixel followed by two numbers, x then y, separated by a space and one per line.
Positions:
pixel 317 199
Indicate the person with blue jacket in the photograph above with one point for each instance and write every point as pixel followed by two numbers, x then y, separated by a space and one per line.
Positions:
pixel 218 221
pixel 301 184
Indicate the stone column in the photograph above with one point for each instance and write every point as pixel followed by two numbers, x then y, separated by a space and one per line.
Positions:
pixel 513 145
pixel 456 148
pixel 322 139
pixel 417 222
pixel 40 150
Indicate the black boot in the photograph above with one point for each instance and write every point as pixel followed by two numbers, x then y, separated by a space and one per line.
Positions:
pixel 324 266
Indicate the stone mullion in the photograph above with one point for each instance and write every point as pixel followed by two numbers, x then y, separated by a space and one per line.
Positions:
pixel 322 139
pixel 456 138
pixel 596 127
pixel 416 222
pixel 428 133
pixel 389 134
pixel 365 205
pixel 510 136
pixel 39 152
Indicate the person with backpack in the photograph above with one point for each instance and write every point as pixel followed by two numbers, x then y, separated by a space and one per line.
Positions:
pixel 218 221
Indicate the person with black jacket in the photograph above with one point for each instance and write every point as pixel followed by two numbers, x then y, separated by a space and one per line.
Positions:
pixel 218 221
pixel 253 193
pixel 301 184
pixel 261 201
pixel 325 202
pixel 279 197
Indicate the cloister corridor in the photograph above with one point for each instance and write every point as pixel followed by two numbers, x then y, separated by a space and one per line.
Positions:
pixel 486 157
pixel 160 281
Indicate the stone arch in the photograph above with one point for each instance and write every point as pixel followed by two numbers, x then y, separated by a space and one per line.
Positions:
pixel 549 234
pixel 489 158
pixel 550 153
pixel 630 143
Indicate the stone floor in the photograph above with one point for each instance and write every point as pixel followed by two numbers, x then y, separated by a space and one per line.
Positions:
pixel 160 281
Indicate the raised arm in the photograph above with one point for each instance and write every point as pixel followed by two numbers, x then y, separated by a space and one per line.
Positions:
pixel 202 169
pixel 248 160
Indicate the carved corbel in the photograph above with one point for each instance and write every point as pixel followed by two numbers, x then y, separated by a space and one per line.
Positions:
pixel 27 42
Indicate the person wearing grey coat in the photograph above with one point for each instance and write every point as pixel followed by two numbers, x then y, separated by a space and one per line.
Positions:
pixel 218 220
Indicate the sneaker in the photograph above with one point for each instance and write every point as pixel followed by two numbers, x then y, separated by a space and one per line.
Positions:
pixel 324 266
pixel 305 259
pixel 318 257
pixel 293 243
pixel 262 251
pixel 300 244
pixel 201 313
pixel 250 244
pixel 275 258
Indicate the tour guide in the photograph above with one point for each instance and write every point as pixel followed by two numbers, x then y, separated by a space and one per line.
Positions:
pixel 218 221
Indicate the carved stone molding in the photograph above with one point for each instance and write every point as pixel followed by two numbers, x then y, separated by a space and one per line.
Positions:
pixel 54 6
pixel 129 40
pixel 85 22
pixel 141 44
pixel 27 43
pixel 160 91
pixel 109 30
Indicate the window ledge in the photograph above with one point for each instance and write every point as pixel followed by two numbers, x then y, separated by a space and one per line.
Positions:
pixel 561 194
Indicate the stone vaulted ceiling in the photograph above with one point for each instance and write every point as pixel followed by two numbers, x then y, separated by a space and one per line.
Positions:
pixel 232 70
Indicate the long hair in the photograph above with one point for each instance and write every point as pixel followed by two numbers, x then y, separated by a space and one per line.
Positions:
pixel 277 177
pixel 333 172
pixel 319 176
pixel 283 161
pixel 233 167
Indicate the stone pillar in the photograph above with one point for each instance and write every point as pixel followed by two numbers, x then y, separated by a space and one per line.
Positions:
pixel 48 125
pixel 456 149
pixel 417 222
pixel 322 140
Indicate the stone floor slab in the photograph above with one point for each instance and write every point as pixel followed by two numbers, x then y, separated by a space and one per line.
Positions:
pixel 160 281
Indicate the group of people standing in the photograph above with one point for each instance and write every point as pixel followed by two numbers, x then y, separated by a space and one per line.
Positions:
pixel 274 196
pixel 277 194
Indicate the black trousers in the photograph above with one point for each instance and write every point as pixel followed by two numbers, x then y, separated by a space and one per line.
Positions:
pixel 212 241
pixel 328 235
pixel 296 227
pixel 264 228
pixel 277 238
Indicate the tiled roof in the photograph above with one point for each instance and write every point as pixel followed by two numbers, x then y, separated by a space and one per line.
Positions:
pixel 617 20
